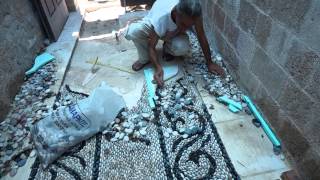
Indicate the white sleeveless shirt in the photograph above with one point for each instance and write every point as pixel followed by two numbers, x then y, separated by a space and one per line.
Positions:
pixel 160 16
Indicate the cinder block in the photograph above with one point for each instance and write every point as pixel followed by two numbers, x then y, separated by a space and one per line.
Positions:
pixel 245 47
pixel 247 16
pixel 312 127
pixel 262 30
pixel 248 80
pixel 210 14
pixel 220 42
pixel 231 7
pixel 205 14
pixel 230 57
pixel 220 3
pixel 204 7
pixel 300 63
pixel 290 12
pixel 296 103
pixel 309 30
pixel 293 140
pixel 270 108
pixel 309 165
pixel 264 5
pixel 314 86
pixel 269 73
pixel 218 17
pixel 231 31
pixel 277 42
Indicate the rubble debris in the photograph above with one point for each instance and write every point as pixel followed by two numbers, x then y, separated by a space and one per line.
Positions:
pixel 27 108
pixel 214 84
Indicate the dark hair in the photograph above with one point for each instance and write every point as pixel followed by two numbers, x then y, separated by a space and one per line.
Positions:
pixel 189 7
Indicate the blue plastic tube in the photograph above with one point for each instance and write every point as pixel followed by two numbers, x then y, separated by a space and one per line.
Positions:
pixel 273 138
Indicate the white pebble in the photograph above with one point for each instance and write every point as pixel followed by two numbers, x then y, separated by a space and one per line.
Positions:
pixel 166 134
pixel 129 131
pixel 126 138
pixel 185 136
pixel 33 153
pixel 143 132
pixel 121 135
pixel 175 133
pixel 169 130
pixel 145 115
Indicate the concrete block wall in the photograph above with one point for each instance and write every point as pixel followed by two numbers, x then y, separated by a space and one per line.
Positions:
pixel 272 49
pixel 20 39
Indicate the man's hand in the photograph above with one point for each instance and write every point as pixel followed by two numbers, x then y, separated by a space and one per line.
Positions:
pixel 212 67
pixel 215 69
pixel 158 77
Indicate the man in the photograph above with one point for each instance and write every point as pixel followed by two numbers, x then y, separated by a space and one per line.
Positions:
pixel 168 20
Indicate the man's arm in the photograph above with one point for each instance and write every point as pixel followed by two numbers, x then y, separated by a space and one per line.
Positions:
pixel 213 68
pixel 152 43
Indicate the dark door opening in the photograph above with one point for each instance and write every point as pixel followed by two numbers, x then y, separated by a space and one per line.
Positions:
pixel 53 15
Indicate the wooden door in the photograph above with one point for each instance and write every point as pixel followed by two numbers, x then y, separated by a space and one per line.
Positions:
pixel 54 14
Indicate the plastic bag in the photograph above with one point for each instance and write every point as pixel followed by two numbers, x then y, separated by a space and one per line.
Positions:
pixel 68 126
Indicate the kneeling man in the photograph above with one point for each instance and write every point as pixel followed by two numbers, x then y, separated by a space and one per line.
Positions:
pixel 169 20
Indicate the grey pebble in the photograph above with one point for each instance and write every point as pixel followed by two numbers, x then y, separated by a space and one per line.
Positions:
pixel 9 152
pixel 13 172
pixel 22 162
pixel 33 153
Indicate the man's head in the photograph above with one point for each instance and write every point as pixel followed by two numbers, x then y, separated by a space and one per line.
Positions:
pixel 187 11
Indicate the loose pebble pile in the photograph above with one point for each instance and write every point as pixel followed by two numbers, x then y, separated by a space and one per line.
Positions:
pixel 129 126
pixel 215 85
pixel 28 107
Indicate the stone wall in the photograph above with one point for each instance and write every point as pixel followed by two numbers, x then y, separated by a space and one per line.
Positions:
pixel 272 49
pixel 20 39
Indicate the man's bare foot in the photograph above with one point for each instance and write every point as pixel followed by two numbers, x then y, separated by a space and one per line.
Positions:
pixel 137 66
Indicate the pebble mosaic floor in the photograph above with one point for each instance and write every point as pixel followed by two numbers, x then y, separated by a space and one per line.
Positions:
pixel 180 154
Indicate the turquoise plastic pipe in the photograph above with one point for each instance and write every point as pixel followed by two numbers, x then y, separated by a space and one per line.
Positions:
pixel 40 61
pixel 150 86
pixel 273 138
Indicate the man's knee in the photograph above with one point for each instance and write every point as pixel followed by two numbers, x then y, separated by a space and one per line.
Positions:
pixel 135 31
pixel 180 46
